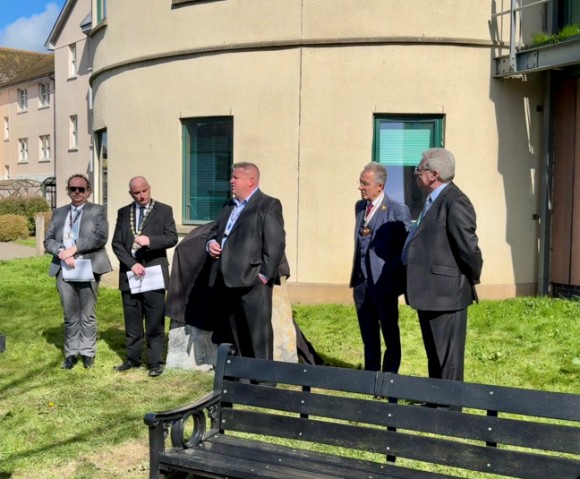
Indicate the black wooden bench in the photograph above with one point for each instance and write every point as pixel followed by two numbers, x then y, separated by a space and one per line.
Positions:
pixel 267 419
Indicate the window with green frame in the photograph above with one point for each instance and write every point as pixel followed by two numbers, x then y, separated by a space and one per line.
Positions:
pixel 207 159
pixel 399 141
pixel 101 10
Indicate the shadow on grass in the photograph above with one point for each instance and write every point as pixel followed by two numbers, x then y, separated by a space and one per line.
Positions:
pixel 338 363
pixel 5 475
pixel 115 339
pixel 54 336
pixel 26 378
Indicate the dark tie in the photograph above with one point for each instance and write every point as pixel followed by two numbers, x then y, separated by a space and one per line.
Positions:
pixel 141 217
pixel 369 209
pixel 405 252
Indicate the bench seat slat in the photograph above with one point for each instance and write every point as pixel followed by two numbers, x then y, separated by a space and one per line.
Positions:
pixel 248 459
pixel 423 448
pixel 437 421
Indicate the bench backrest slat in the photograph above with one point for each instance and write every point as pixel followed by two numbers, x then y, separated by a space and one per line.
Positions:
pixel 422 448
pixel 455 393
pixel 509 431
pixel 548 437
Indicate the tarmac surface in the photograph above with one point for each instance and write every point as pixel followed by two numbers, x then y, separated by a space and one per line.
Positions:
pixel 14 251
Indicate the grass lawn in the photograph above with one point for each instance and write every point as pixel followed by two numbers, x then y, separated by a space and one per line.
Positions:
pixel 89 423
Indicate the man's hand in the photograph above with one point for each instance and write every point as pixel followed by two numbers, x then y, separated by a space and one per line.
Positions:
pixel 67 253
pixel 142 241
pixel 138 269
pixel 214 249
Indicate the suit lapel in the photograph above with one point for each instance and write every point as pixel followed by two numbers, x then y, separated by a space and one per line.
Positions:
pixel 252 204
pixel 434 207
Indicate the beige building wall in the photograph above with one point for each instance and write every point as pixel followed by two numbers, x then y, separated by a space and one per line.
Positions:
pixel 73 97
pixel 303 81
pixel 30 124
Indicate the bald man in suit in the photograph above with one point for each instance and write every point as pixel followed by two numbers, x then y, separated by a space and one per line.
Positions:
pixel 145 229
pixel 78 230
pixel 443 264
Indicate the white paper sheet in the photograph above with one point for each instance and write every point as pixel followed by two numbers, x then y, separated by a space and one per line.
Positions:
pixel 83 271
pixel 150 281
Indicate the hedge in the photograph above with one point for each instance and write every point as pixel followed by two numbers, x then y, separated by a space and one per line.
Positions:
pixel 13 227
pixel 26 206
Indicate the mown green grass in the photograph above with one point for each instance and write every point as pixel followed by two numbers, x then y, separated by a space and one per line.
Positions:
pixel 89 423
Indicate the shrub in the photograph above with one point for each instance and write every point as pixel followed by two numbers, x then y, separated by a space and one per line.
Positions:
pixel 26 206
pixel 13 227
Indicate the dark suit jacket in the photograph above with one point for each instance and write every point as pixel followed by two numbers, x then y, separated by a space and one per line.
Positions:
pixel 189 296
pixel 159 226
pixel 255 244
pixel 93 236
pixel 389 226
pixel 444 259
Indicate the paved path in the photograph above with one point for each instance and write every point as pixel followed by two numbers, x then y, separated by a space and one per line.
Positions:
pixel 14 250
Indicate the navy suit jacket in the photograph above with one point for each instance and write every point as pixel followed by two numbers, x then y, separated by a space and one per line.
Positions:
pixel 444 260
pixel 93 236
pixel 159 226
pixel 255 245
pixel 389 226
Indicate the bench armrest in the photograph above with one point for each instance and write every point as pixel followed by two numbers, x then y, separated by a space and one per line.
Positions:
pixel 171 415
pixel 174 420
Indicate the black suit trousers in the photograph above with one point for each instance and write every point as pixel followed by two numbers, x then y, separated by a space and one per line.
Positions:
pixel 245 317
pixel 444 334
pixel 149 306
pixel 378 311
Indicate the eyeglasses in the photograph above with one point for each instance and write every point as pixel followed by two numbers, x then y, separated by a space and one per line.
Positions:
pixel 74 189
pixel 419 170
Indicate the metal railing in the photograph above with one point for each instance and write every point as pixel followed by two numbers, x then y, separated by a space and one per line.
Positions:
pixel 515 13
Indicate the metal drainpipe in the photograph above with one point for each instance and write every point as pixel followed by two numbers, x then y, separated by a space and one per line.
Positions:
pixel 546 174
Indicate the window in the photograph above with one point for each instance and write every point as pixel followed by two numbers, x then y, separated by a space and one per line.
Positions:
pixel 22 99
pixel 73 133
pixel 72 60
pixel 101 10
pixel 23 149
pixel 399 141
pixel 207 154
pixel 44 94
pixel 44 143
pixel 6 128
pixel 103 164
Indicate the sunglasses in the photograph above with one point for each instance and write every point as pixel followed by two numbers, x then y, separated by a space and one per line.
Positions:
pixel 74 189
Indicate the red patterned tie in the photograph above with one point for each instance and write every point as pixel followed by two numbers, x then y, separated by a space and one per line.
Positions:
pixel 369 209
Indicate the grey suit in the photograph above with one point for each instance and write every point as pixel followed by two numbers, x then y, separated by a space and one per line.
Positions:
pixel 378 279
pixel 444 265
pixel 254 246
pixel 79 298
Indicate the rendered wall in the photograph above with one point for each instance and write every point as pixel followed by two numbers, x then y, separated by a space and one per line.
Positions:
pixel 303 85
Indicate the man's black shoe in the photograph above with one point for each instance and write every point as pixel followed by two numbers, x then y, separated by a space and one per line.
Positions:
pixel 88 362
pixel 126 366
pixel 155 371
pixel 69 362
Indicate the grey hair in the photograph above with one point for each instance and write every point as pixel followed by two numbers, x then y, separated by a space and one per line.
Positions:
pixel 379 171
pixel 249 168
pixel 440 160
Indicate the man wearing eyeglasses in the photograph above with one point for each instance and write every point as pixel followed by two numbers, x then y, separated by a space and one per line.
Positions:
pixel 443 264
pixel 78 230
pixel 378 276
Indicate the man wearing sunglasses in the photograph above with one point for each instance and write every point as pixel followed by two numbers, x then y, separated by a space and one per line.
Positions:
pixel 78 230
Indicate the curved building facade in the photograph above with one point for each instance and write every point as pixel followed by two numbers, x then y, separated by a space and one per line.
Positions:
pixel 311 91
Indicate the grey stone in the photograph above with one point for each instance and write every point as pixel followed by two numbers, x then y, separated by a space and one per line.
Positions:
pixel 191 348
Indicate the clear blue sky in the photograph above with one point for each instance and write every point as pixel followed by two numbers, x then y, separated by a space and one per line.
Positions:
pixel 26 24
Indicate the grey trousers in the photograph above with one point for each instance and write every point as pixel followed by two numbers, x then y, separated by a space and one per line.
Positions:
pixel 78 301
